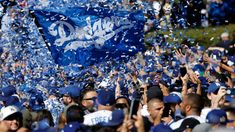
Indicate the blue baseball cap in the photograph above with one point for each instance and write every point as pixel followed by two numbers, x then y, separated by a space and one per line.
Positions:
pixel 231 60
pixel 36 102
pixel 194 50
pixel 217 116
pixel 106 97
pixel 201 48
pixel 117 118
pixel 203 80
pixel 14 100
pixel 6 92
pixel 71 90
pixel 161 128
pixel 172 98
pixel 199 68
pixel 214 87
pixel 72 127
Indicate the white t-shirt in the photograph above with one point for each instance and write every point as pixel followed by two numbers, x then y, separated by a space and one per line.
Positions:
pixel 97 117
pixel 204 112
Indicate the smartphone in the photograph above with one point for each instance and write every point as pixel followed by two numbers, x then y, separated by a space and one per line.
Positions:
pixel 183 71
pixel 134 107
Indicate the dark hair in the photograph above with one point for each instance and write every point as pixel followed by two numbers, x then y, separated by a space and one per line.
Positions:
pixel 85 91
pixel 75 113
pixel 196 102
pixel 45 114
pixel 154 92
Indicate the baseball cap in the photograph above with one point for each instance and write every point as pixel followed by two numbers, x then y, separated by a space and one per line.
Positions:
pixel 214 87
pixel 231 60
pixel 187 123
pixel 161 128
pixel 6 92
pixel 198 68
pixel 201 48
pixel 71 90
pixel 106 97
pixel 117 118
pixel 224 34
pixel 203 80
pixel 172 98
pixel 36 102
pixel 73 127
pixel 14 100
pixel 217 116
pixel 8 111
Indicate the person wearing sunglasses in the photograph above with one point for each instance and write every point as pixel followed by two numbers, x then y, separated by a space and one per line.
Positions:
pixel 10 119
pixel 87 99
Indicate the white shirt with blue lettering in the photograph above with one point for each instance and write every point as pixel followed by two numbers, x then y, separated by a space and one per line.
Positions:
pixel 97 117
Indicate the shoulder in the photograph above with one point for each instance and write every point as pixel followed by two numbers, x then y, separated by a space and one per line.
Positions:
pixel 176 124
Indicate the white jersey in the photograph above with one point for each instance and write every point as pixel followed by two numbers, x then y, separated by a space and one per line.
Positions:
pixel 97 117
pixel 177 124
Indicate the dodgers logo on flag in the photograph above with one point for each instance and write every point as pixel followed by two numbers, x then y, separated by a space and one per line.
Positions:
pixel 86 36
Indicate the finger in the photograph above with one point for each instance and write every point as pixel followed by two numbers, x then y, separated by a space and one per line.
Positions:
pixel 135 117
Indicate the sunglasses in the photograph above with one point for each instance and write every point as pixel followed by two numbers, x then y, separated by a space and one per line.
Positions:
pixel 93 98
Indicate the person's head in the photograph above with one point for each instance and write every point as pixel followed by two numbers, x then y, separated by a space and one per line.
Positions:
pixel 74 114
pixel 154 92
pixel 10 118
pixel 174 98
pixel 231 117
pixel 216 118
pixel 6 94
pixel 192 104
pixel 225 36
pixel 154 106
pixel 36 102
pixel 106 99
pixel 70 94
pixel 116 120
pixel 213 92
pixel 230 112
pixel 88 97
pixel 123 100
pixel 45 114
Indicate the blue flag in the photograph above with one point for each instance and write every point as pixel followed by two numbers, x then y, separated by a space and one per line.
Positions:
pixel 85 36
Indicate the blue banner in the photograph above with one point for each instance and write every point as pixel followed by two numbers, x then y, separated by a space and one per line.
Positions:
pixel 85 36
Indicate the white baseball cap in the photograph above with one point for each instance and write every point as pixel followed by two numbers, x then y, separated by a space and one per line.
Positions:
pixel 7 111
pixel 224 34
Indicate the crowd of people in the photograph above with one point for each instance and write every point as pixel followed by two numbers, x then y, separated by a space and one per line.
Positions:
pixel 168 87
